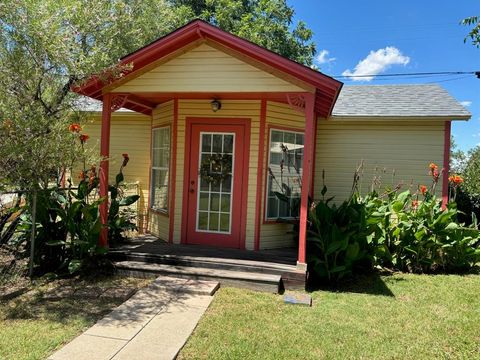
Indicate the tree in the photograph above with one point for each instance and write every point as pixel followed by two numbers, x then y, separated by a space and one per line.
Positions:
pixel 265 22
pixel 458 158
pixel 474 34
pixel 45 48
pixel 472 171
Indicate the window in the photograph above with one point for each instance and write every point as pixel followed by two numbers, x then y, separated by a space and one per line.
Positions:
pixel 160 168
pixel 285 163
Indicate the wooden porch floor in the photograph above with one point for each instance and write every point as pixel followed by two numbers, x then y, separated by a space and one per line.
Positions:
pixel 148 244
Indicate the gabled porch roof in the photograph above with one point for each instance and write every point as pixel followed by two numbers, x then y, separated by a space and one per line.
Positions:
pixel 325 88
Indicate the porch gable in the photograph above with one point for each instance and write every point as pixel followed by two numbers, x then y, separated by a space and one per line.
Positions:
pixel 207 69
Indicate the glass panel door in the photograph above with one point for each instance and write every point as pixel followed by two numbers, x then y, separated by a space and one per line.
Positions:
pixel 214 202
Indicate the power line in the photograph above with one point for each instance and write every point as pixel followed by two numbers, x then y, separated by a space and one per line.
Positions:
pixel 423 74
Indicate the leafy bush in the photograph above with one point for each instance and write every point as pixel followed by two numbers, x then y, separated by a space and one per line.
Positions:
pixel 337 239
pixel 401 230
pixel 68 223
pixel 419 236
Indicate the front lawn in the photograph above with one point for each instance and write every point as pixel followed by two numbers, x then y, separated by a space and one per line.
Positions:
pixel 33 325
pixel 402 316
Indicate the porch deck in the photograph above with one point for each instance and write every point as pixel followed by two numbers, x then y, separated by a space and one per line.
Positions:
pixel 269 270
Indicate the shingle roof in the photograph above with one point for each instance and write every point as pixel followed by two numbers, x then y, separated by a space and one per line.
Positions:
pixel 398 101
pixel 374 101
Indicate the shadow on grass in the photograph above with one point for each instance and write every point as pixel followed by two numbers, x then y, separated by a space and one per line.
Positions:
pixel 61 311
pixel 371 284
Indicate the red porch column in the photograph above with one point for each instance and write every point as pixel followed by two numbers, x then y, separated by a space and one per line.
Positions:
pixel 105 153
pixel 446 162
pixel 306 177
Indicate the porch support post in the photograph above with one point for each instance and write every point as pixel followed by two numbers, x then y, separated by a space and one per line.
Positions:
pixel 446 162
pixel 306 178
pixel 104 154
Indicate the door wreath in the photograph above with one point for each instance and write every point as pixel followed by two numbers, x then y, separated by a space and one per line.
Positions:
pixel 215 168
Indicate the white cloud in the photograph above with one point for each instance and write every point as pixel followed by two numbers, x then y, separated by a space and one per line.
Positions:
pixel 465 103
pixel 377 62
pixel 323 58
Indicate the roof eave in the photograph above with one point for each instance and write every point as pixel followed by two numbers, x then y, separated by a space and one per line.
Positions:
pixel 400 117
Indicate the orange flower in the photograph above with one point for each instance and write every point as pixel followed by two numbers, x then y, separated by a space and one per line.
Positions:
pixel 82 176
pixel 415 204
pixel 432 166
pixel 423 189
pixel 84 138
pixel 455 179
pixel 75 128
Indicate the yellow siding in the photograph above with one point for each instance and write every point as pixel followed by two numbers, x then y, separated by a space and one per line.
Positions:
pixel 273 235
pixel 129 134
pixel 400 147
pixel 230 108
pixel 159 223
pixel 206 69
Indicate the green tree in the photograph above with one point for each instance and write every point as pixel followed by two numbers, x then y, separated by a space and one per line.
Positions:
pixel 474 34
pixel 265 22
pixel 458 158
pixel 471 172
pixel 46 47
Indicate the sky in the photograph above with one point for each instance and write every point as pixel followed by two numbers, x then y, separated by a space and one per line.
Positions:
pixel 389 37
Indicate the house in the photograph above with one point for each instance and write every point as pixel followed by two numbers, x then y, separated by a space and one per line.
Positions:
pixel 214 125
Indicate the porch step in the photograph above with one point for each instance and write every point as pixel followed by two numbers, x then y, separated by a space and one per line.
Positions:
pixel 250 280
pixel 253 266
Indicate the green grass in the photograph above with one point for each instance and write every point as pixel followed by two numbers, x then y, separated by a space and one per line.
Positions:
pixel 32 328
pixel 388 317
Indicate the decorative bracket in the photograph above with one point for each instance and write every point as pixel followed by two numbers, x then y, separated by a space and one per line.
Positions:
pixel 118 101
pixel 296 102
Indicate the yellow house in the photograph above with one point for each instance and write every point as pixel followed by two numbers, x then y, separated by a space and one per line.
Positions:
pixel 214 125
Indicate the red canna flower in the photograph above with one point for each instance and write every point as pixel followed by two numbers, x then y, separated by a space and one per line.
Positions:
pixel 423 189
pixel 125 159
pixel 455 180
pixel 82 175
pixel 84 138
pixel 75 128
pixel 414 204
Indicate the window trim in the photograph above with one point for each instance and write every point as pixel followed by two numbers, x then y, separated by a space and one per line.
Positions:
pixel 166 211
pixel 270 128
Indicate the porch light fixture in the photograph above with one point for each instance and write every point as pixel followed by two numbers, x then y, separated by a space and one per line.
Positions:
pixel 216 105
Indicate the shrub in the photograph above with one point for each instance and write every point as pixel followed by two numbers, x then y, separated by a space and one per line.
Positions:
pixel 68 223
pixel 402 230
pixel 337 239
pixel 420 235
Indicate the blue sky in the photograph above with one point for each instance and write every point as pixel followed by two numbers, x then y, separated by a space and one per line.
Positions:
pixel 399 37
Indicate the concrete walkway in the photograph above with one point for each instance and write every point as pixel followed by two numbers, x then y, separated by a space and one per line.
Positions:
pixel 155 323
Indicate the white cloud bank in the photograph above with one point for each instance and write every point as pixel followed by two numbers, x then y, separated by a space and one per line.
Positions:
pixel 465 103
pixel 377 62
pixel 323 58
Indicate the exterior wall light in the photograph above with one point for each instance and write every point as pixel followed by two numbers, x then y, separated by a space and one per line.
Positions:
pixel 216 105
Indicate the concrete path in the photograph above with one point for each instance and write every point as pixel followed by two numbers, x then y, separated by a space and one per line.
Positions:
pixel 155 323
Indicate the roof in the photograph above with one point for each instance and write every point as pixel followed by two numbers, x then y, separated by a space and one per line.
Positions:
pixel 371 101
pixel 326 88
pixel 429 100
